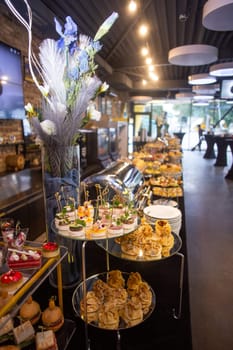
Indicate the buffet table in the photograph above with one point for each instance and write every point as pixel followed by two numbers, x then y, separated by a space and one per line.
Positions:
pixel 161 330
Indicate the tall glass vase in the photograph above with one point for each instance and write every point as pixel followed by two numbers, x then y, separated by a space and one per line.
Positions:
pixel 61 181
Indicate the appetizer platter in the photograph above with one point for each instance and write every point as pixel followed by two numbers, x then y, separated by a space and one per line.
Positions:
pixel 144 244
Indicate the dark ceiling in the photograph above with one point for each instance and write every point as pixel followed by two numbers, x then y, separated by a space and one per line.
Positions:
pixel 172 23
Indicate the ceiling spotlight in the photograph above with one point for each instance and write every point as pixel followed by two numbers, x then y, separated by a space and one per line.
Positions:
pixel 132 6
pixel 143 30
pixel 144 51
pixel 148 60
pixel 151 68
pixel 153 76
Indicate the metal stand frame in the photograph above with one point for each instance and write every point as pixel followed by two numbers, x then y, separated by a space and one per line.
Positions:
pixel 177 315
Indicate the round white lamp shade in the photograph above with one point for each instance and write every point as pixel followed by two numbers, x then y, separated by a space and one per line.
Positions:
pixel 200 79
pixel 184 96
pixel 217 15
pixel 222 69
pixel 193 55
pixel 205 89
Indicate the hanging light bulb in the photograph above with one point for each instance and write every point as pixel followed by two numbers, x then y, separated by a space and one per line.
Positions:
pixel 151 68
pixel 144 82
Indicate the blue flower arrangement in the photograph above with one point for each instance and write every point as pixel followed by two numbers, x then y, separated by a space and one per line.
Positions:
pixel 67 82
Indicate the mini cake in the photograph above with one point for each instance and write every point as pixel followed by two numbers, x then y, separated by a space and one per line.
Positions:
pixel 6 326
pixel 63 224
pixel 11 280
pixel 50 250
pixel 116 228
pixel 99 228
pixel 46 340
pixel 77 228
pixel 24 259
pixel 128 223
pixel 24 332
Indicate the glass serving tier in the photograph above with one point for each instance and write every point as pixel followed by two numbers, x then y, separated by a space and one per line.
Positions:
pixel 113 247
pixel 32 277
pixel 86 235
pixel 78 296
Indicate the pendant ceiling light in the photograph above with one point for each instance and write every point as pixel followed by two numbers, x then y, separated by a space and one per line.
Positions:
pixel 201 103
pixel 222 69
pixel 206 89
pixel 184 96
pixel 200 79
pixel 193 55
pixel 217 15
pixel 201 97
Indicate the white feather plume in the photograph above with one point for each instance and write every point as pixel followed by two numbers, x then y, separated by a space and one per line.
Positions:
pixel 53 63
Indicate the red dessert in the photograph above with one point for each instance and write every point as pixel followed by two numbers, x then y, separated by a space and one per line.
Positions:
pixel 11 280
pixel 24 260
pixel 50 249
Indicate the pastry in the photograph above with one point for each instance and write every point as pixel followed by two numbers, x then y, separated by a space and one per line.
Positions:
pixel 144 296
pixel 162 227
pixel 31 311
pixel 118 296
pixel 24 332
pixel 46 340
pixel 133 283
pixel 52 317
pixel 9 347
pixel 115 279
pixel 108 316
pixel 100 288
pixel 132 313
pixel 50 250
pixel 92 307
pixel 11 280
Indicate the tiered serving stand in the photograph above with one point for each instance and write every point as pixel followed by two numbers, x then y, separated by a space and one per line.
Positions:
pixel 108 243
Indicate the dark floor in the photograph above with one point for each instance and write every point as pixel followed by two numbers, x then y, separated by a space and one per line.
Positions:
pixel 207 309
pixel 209 227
